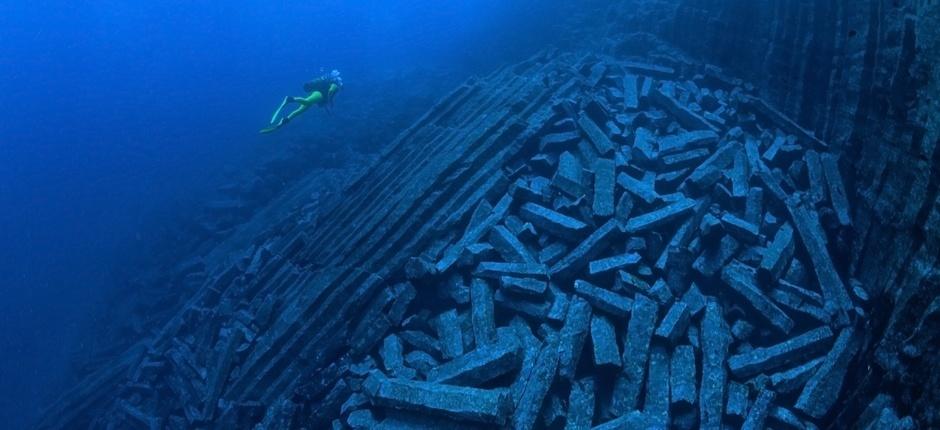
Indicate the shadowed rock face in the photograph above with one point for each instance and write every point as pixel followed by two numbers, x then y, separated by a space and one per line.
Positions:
pixel 454 254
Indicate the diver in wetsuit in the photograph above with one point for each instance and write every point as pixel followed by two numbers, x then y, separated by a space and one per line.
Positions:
pixel 321 91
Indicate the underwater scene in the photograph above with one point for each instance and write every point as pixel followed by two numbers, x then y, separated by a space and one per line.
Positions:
pixel 480 214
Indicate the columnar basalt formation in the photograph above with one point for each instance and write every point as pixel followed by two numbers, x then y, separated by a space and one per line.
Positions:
pixel 572 242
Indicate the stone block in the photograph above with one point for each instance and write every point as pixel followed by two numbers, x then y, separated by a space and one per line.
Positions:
pixel 573 334
pixel 569 178
pixel 644 191
pixel 674 325
pixel 448 331
pixel 743 230
pixel 686 141
pixel 682 378
pixel 601 142
pixel 777 256
pixel 757 415
pixel 509 247
pixel 483 364
pixel 589 248
pixel 822 390
pixel 706 174
pixel 460 403
pixel 498 269
pixel 793 350
pixel 557 224
pixel 580 404
pixel 615 262
pixel 743 280
pixel 482 312
pixel 629 383
pixel 660 217
pixel 656 405
pixel 715 342
pixel 604 300
pixel 604 173
pixel 529 287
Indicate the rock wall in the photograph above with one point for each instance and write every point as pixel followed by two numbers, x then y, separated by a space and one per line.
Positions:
pixel 863 75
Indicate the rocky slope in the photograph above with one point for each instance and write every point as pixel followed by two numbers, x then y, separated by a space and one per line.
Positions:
pixel 277 338
pixel 865 76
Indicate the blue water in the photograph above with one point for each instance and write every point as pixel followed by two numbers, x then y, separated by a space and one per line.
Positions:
pixel 113 111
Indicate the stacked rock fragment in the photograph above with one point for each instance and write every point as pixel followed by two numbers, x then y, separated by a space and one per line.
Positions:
pixel 666 257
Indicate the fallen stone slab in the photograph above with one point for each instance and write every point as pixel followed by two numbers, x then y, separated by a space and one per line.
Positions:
pixel 765 110
pixel 392 354
pixel 743 280
pixel 793 379
pixel 777 256
pixel 569 178
pixel 713 259
pixel 589 248
pixel 580 404
pixel 737 405
pixel 572 336
pixel 604 342
pixel 538 309
pixel 646 69
pixel 643 190
pixel 604 173
pixel 509 247
pixel 628 385
pixel 757 414
pixel 684 160
pixel 448 329
pixel 786 419
pixel 682 377
pixel 706 174
pixel 660 217
pixel 656 403
pixel 793 350
pixel 716 339
pixel 558 142
pixel 530 287
pixel 604 300
pixel 744 231
pixel 688 119
pixel 615 262
pixel 644 145
pixel 498 269
pixel 814 240
pixel 557 224
pixel 632 420
pixel 601 142
pixel 631 92
pixel 823 389
pixel 460 403
pixel 686 141
pixel 674 324
pixel 482 312
pixel 536 385
pixel 481 365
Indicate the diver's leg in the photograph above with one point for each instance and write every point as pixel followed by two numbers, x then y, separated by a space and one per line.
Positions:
pixel 288 99
pixel 300 109
pixel 279 109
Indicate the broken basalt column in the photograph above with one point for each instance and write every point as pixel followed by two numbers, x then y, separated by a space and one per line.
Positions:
pixel 612 245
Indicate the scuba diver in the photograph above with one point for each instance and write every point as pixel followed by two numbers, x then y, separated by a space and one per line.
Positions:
pixel 321 91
